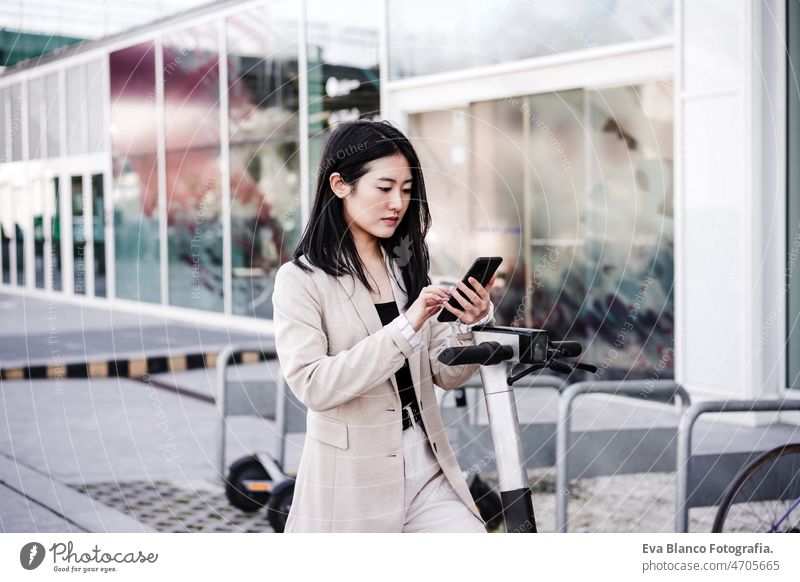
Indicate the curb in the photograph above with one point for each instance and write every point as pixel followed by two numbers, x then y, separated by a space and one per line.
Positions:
pixel 133 367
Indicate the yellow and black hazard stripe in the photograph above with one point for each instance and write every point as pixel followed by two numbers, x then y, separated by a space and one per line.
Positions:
pixel 129 367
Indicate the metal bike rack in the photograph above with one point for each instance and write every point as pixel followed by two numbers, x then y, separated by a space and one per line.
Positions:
pixel 629 388
pixel 687 422
pixel 268 398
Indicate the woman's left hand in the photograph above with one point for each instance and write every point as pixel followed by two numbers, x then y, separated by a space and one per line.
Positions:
pixel 478 295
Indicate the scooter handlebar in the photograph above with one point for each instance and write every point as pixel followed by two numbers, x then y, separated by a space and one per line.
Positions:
pixel 567 349
pixel 485 354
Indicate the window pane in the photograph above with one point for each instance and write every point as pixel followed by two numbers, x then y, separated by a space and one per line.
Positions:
pixel 497 197
pixel 628 221
pixel 54 208
pixel 191 91
pixel 264 153
pixel 95 92
pixel 441 140
pixel 20 205
pixel 76 110
pixel 598 267
pixel 265 221
pixel 135 178
pixel 343 68
pixel 37 210
pixel 4 127
pixel 453 35
pixel 7 232
pixel 53 104
pixel 99 235
pixel 35 118
pixel 78 235
pixel 15 105
pixel 557 150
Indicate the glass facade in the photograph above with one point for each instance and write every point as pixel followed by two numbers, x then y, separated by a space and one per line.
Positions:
pixel 580 211
pixel 98 234
pixel 135 173
pixel 37 210
pixel 573 188
pixel 7 234
pixel 264 142
pixel 53 209
pixel 434 37
pixel 343 68
pixel 78 235
pixel 194 196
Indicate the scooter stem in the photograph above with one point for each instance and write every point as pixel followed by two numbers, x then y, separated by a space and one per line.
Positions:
pixel 512 472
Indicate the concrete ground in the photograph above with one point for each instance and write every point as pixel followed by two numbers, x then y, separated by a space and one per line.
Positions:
pixel 119 454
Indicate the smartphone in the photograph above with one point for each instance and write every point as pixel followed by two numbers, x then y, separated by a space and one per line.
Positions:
pixel 482 269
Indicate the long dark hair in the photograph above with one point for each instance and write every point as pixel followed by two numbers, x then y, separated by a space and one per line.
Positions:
pixel 327 242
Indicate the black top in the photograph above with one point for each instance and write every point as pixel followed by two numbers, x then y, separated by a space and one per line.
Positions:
pixel 405 385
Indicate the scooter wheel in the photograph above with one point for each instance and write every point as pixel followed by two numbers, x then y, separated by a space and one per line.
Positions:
pixel 489 504
pixel 247 469
pixel 279 505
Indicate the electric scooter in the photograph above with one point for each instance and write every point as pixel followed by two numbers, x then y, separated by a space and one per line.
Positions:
pixel 535 351
pixel 256 481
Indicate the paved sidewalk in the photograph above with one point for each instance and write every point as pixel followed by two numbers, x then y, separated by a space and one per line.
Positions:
pixel 121 455
pixel 44 331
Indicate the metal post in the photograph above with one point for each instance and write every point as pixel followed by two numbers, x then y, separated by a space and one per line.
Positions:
pixel 688 419
pixel 563 428
pixel 223 358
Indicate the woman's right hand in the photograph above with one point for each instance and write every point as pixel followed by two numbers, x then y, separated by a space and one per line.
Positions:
pixel 428 303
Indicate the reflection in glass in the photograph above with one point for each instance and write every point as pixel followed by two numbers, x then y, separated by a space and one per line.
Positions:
pixel 343 68
pixel 78 235
pixel 95 90
pixel 441 140
pixel 20 206
pixel 135 175
pixel 194 226
pixel 602 225
pixel 450 37
pixel 264 226
pixel 497 199
pixel 628 221
pixel 264 152
pixel 597 167
pixel 53 115
pixel 54 211
pixel 15 105
pixel 4 154
pixel 99 235
pixel 76 110
pixel 37 202
pixel 36 118
pixel 558 277
pixel 7 234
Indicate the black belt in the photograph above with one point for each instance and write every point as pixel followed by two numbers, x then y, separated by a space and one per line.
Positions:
pixel 407 419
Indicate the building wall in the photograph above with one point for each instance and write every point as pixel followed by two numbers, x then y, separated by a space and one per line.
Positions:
pixel 730 227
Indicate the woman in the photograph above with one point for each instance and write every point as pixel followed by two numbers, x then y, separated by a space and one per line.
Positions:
pixel 358 346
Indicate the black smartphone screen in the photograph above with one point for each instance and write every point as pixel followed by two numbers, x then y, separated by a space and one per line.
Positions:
pixel 482 269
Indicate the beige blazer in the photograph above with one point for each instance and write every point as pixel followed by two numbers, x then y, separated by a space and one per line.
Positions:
pixel 340 361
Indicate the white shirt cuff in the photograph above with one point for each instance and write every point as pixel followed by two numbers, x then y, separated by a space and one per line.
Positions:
pixel 413 337
pixel 466 327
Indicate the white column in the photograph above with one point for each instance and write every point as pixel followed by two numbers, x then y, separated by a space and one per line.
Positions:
pixel 728 230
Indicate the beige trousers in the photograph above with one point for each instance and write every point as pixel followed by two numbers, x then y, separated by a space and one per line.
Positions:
pixel 431 505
